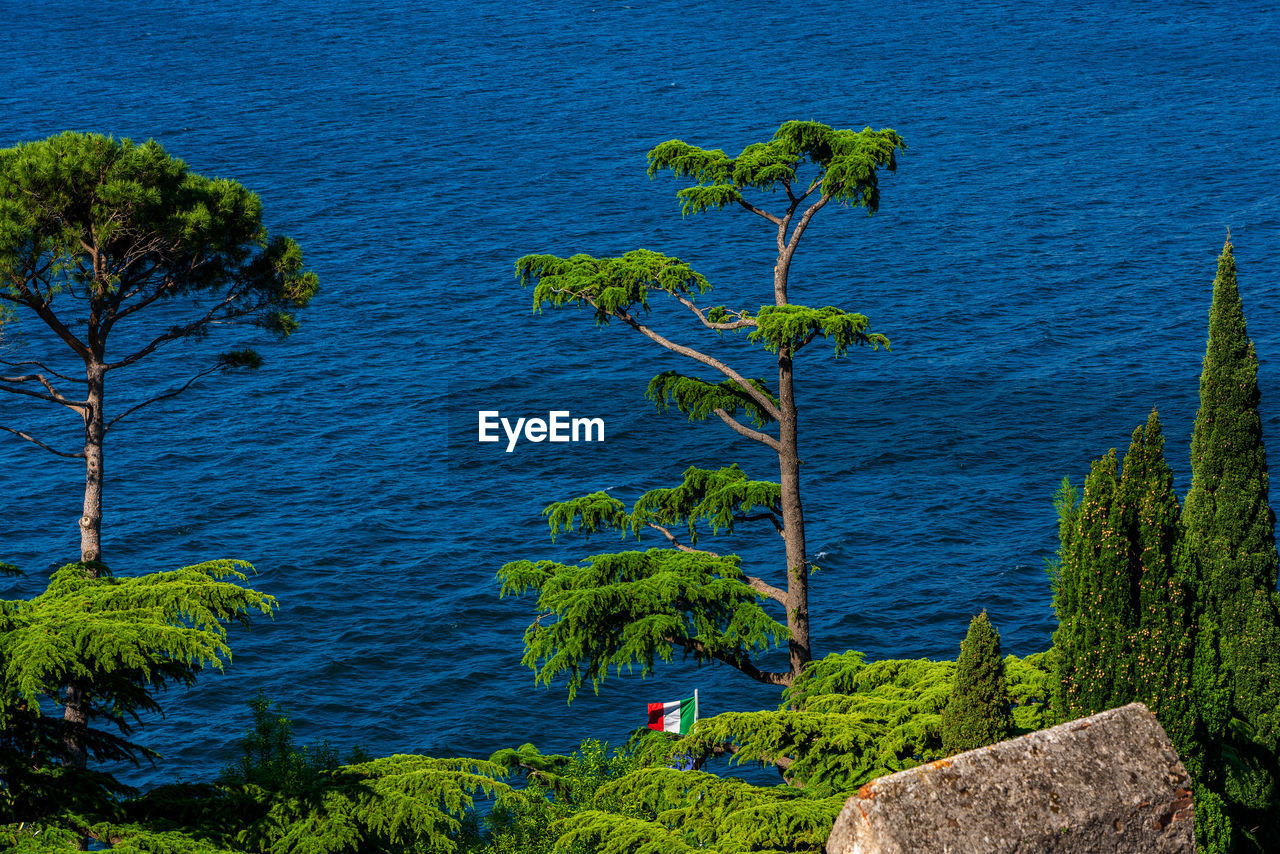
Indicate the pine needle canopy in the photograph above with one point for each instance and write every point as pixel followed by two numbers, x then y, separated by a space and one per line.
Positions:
pixel 119 225
pixel 848 162
pixel 844 721
pixel 717 497
pixel 669 810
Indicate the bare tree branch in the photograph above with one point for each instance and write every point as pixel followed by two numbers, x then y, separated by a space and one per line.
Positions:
pixel 745 665
pixel 804 222
pixel 743 430
pixel 758 212
pixel 35 378
pixel 52 396
pixel 164 396
pixel 756 517
pixel 740 323
pixel 158 290
pixel 759 585
pixel 764 588
pixel 675 542
pixel 33 440
pixel 177 332
pixel 40 305
pixel 43 367
pixel 758 396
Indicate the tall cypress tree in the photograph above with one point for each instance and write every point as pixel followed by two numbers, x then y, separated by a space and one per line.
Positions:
pixel 1230 533
pixel 1123 594
pixel 1093 599
pixel 1160 568
pixel 1064 573
pixel 978 711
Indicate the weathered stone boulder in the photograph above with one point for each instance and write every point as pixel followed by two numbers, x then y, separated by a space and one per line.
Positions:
pixel 1107 783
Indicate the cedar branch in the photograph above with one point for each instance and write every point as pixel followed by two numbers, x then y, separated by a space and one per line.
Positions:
pixel 748 667
pixel 743 430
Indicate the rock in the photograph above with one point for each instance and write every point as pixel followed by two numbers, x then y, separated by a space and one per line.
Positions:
pixel 1107 783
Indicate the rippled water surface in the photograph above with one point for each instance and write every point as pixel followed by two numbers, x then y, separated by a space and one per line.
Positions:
pixel 1042 262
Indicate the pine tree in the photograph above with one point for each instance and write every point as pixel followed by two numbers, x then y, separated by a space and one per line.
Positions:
pixel 978 711
pixel 1230 533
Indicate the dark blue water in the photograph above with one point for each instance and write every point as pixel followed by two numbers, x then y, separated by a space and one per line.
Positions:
pixel 1042 262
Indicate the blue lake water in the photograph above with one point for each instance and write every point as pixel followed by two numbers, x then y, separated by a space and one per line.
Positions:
pixel 1042 262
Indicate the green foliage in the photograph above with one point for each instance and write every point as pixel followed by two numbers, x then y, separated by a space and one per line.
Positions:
pixel 593 513
pixel 700 399
pixel 628 609
pixel 27 838
pixel 281 798
pixel 240 359
pixel 1029 682
pixel 610 285
pixel 156 229
pixel 1124 594
pixel 1096 618
pixel 719 498
pixel 793 326
pixel 845 722
pixel 1164 642
pixel 532 820
pixel 977 712
pixel 671 810
pixel 394 804
pixel 1230 534
pixel 120 640
pixel 848 161
pixel 268 757
pixel 1197 594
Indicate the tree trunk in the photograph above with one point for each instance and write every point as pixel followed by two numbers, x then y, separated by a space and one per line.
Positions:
pixel 75 718
pixel 94 428
pixel 793 520
pixel 789 484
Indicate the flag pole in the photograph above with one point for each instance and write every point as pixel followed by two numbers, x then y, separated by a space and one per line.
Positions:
pixel 695 705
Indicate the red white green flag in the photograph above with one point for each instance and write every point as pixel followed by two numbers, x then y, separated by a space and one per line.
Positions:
pixel 677 716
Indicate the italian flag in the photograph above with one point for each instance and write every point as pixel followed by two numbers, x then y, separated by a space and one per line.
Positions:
pixel 677 716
